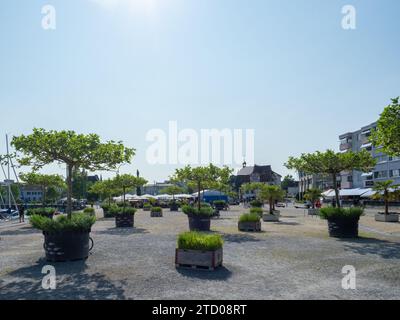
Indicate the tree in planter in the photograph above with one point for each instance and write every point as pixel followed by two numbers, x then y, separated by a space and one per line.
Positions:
pixel 172 190
pixel 271 193
pixel 74 150
pixel 45 181
pixel 105 190
pixel 387 133
pixel 387 191
pixel 128 181
pixel 330 163
pixel 199 178
pixel 313 195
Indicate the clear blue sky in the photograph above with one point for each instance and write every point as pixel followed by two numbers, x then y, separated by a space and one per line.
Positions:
pixel 284 68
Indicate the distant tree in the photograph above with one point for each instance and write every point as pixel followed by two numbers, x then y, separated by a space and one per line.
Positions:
pixel 332 164
pixel 44 181
pixel 386 191
pixel 271 194
pixel 387 133
pixel 172 190
pixel 128 181
pixel 76 151
pixel 105 189
pixel 313 195
pixel 288 181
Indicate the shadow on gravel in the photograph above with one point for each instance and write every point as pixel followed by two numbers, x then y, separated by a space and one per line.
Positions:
pixel 121 231
pixel 72 283
pixel 239 238
pixel 367 246
pixel 287 223
pixel 21 231
pixel 218 274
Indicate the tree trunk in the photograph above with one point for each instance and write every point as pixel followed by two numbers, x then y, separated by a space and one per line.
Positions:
pixel 386 203
pixel 44 196
pixel 336 190
pixel 123 188
pixel 198 199
pixel 69 193
pixel 271 210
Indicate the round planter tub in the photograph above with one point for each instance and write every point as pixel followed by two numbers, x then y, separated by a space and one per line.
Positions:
pixel 199 223
pixel 124 220
pixel 67 245
pixel 343 227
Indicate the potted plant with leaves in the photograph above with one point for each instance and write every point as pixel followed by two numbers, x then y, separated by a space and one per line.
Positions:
pixel 258 211
pixel 250 222
pixel 271 194
pixel 199 250
pixel 90 211
pixel 313 195
pixel 66 238
pixel 386 191
pixel 105 189
pixel 124 216
pixel 146 206
pixel 45 212
pixel 342 223
pixel 219 205
pixel 156 212
pixel 256 204
pixel 76 151
pixel 173 190
pixel 199 219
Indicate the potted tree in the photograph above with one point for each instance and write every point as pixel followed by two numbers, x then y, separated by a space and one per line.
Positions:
pixel 386 191
pixel 342 223
pixel 66 239
pixel 313 195
pixel 173 190
pixel 76 151
pixel 199 219
pixel 127 181
pixel 105 190
pixel 146 206
pixel 271 193
pixel 156 212
pixel 199 250
pixel 331 164
pixel 124 216
pixel 250 222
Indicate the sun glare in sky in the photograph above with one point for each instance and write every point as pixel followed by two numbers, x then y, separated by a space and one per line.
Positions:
pixel 147 6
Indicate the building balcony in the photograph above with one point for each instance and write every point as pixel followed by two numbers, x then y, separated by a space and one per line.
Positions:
pixel 345 146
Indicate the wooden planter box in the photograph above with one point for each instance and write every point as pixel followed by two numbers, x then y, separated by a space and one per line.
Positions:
pixel 156 214
pixel 343 227
pixel 250 226
pixel 196 259
pixel 271 217
pixel 391 217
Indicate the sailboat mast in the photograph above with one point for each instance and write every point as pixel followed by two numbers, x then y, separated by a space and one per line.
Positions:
pixel 8 174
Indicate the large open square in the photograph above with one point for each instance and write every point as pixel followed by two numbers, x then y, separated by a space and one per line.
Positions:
pixel 292 259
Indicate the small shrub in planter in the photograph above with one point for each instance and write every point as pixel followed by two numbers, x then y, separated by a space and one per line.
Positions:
pixel 107 210
pixel 89 211
pixel 156 212
pixel 199 250
pixel 258 211
pixel 147 207
pixel 46 212
pixel 199 220
pixel 271 217
pixel 173 206
pixel 124 217
pixel 256 204
pixel 342 223
pixel 65 239
pixel 219 204
pixel 250 222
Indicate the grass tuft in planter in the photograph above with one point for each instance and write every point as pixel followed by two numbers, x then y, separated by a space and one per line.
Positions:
pixel 249 222
pixel 124 217
pixel 258 211
pixel 342 223
pixel 199 220
pixel 156 212
pixel 199 250
pixel 199 241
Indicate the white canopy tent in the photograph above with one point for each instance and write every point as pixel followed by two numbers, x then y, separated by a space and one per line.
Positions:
pixel 358 192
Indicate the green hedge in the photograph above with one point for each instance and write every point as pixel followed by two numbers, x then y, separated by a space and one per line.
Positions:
pixel 115 210
pixel 249 217
pixel 156 209
pixel 332 212
pixel 41 211
pixel 256 204
pixel 78 222
pixel 205 211
pixel 199 241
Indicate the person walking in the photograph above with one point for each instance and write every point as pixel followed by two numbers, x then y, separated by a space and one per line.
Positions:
pixel 21 211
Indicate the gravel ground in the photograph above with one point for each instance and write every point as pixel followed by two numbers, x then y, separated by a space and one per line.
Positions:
pixel 293 259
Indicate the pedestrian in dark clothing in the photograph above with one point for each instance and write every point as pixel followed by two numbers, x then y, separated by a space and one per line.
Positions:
pixel 21 211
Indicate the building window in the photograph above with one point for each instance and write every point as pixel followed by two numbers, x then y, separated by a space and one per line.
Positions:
pixel 380 174
pixel 394 173
pixel 381 159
